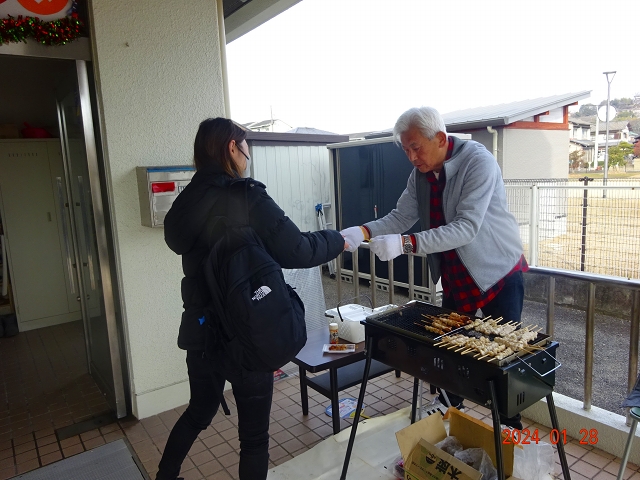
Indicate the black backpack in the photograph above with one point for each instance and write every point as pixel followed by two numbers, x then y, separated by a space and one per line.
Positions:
pixel 255 319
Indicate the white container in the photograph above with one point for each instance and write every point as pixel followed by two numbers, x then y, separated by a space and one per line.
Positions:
pixel 349 328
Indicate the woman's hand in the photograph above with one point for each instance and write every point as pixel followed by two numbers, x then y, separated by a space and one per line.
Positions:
pixel 353 237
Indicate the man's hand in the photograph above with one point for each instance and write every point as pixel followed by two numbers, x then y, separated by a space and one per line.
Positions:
pixel 353 237
pixel 386 247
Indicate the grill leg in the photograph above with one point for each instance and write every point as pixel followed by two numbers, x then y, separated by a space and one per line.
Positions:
pixel 335 406
pixel 356 418
pixel 554 422
pixel 414 401
pixel 497 434
pixel 304 394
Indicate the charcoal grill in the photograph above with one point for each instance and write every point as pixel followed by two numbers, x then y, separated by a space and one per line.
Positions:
pixel 506 387
pixel 405 320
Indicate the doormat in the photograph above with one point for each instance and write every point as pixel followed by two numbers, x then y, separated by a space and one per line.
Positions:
pixel 279 375
pixel 347 408
pixel 115 460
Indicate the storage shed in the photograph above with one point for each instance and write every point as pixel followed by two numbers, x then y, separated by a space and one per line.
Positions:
pixel 296 169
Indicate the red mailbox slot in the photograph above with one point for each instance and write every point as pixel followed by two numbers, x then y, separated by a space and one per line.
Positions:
pixel 163 187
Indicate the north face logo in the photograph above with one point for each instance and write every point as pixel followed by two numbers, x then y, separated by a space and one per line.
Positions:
pixel 260 293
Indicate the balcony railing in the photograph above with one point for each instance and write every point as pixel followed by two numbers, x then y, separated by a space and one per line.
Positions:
pixel 592 280
pixel 585 228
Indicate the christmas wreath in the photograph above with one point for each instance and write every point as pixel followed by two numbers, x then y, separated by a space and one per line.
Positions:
pixel 57 32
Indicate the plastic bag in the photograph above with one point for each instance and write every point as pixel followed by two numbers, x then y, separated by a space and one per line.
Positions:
pixel 533 461
pixel 451 445
pixel 477 458
pixel 396 467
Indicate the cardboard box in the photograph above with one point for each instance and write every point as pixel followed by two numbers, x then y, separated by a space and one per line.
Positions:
pixel 424 461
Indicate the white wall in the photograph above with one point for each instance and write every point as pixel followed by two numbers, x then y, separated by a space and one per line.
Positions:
pixel 486 138
pixel 555 116
pixel 159 75
pixel 297 178
pixel 535 153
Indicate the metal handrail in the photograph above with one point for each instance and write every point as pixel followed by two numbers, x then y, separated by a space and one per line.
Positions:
pixel 356 275
pixel 577 187
pixel 593 281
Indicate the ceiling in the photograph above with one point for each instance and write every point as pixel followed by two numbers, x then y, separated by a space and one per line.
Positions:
pixel 231 6
pixel 240 17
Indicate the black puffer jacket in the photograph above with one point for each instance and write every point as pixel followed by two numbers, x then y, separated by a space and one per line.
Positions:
pixel 186 231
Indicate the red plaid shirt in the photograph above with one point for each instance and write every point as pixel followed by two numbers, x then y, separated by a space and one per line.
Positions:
pixel 456 279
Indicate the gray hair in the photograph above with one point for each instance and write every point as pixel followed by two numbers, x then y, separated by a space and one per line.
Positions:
pixel 426 119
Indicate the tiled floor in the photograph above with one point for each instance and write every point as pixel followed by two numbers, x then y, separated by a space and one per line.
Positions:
pixel 45 386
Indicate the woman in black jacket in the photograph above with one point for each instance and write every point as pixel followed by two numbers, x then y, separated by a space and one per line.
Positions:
pixel 221 157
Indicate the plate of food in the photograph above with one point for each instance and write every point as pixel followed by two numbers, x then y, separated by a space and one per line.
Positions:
pixel 339 348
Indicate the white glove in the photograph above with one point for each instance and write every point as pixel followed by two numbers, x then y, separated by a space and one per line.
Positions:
pixel 386 247
pixel 354 236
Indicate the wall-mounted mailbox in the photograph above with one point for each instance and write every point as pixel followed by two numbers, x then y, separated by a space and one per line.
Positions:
pixel 158 187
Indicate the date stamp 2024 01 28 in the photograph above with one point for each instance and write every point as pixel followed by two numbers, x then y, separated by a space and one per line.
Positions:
pixel 527 437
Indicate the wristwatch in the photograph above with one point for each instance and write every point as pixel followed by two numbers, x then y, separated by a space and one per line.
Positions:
pixel 407 245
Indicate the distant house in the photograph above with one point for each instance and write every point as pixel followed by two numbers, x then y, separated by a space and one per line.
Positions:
pixel 617 131
pixel 579 129
pixel 271 125
pixel 580 139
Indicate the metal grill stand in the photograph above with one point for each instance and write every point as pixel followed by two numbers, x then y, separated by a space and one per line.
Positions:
pixel 494 413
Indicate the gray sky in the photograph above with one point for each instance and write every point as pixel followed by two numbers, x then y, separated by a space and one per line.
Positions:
pixel 356 65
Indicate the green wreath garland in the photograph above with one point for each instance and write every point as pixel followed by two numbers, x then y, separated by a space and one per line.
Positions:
pixel 57 32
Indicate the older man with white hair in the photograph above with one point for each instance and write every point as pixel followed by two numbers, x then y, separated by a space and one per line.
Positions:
pixel 471 239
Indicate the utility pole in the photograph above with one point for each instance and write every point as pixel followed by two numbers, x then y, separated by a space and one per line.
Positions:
pixel 595 162
pixel 606 139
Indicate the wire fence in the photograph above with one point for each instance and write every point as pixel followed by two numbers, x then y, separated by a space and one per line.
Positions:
pixel 565 224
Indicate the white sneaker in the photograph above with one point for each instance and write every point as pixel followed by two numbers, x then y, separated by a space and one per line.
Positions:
pixel 434 407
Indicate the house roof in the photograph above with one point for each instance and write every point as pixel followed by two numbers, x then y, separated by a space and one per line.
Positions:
pixel 288 138
pixel 583 143
pixel 577 121
pixel 311 131
pixel 261 123
pixel 265 123
pixel 613 127
pixel 506 113
pixel 497 115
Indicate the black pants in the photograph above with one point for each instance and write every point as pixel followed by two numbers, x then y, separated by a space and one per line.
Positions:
pixel 253 396
pixel 507 304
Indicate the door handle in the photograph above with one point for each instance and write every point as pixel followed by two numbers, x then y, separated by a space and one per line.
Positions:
pixel 87 237
pixel 65 234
